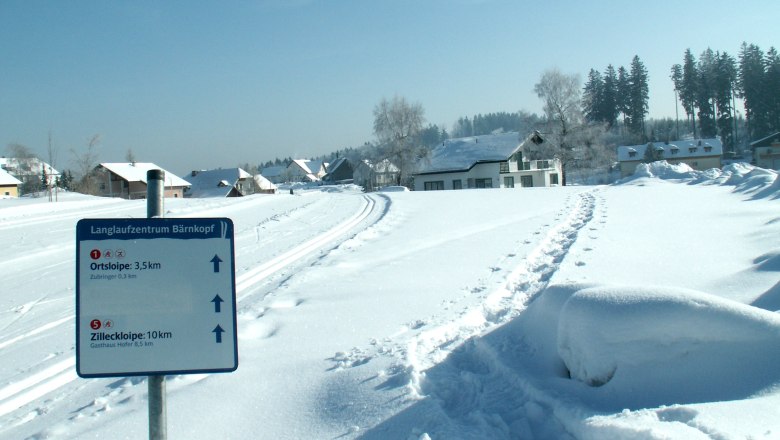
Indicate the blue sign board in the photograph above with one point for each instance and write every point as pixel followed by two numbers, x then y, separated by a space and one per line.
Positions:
pixel 155 296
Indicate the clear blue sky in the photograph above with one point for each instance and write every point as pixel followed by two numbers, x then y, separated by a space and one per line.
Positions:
pixel 204 84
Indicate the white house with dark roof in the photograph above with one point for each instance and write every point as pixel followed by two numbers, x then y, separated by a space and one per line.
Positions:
pixel 229 182
pixel 699 154
pixel 488 161
pixel 128 180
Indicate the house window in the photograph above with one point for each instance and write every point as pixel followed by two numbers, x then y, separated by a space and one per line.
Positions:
pixel 483 183
pixel 526 181
pixel 553 178
pixel 632 154
pixel 523 166
pixel 542 164
pixel 692 149
pixel 457 184
pixel 503 167
pixel 437 185
pixel 707 149
pixel 509 182
pixel 7 193
pixel 675 151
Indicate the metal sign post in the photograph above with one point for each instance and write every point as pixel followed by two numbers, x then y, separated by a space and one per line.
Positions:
pixel 158 422
pixel 155 297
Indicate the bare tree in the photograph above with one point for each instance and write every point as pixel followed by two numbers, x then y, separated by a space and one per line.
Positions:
pixel 397 126
pixel 49 175
pixel 85 164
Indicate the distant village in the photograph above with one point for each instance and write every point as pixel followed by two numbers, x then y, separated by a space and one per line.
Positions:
pixel 502 160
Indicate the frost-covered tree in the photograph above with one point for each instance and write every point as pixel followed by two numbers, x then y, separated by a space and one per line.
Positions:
pixel 397 126
pixel 560 94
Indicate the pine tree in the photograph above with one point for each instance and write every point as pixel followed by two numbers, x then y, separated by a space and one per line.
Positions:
pixel 723 82
pixel 609 108
pixel 751 87
pixel 690 86
pixel 639 94
pixel 623 97
pixel 676 76
pixel 592 97
pixel 772 81
pixel 705 96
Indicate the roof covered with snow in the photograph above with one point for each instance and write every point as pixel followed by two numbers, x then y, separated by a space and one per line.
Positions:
pixel 673 149
pixel 310 166
pixel 27 166
pixel 7 179
pixel 214 183
pixel 463 153
pixel 766 141
pixel 263 183
pixel 136 172
pixel 274 171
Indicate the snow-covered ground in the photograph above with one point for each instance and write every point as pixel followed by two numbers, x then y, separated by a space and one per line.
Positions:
pixel 646 309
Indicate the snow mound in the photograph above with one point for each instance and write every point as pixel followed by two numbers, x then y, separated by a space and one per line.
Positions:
pixel 663 170
pixel 745 178
pixel 648 344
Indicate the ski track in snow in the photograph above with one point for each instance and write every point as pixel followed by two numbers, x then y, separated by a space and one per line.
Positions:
pixel 35 385
pixel 427 342
pixel 57 217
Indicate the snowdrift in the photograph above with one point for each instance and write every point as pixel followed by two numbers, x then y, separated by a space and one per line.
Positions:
pixel 745 178
pixel 645 345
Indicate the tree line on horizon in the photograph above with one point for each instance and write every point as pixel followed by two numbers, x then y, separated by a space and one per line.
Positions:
pixel 609 110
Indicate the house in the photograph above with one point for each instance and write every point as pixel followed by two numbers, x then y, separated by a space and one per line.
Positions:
pixel 303 170
pixel 766 152
pixel 30 170
pixel 128 180
pixel 699 154
pixel 263 185
pixel 372 176
pixel 9 185
pixel 340 171
pixel 490 161
pixel 231 182
pixel 275 174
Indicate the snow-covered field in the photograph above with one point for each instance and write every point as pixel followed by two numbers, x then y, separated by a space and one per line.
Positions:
pixel 646 309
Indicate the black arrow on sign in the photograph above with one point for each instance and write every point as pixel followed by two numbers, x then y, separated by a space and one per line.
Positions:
pixel 218 331
pixel 217 302
pixel 216 260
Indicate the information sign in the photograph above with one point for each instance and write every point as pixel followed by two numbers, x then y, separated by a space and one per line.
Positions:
pixel 155 296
